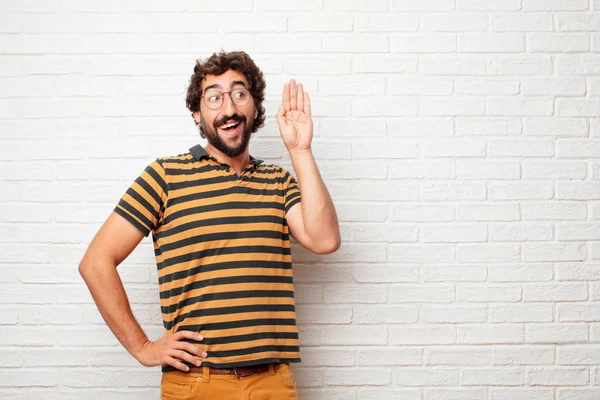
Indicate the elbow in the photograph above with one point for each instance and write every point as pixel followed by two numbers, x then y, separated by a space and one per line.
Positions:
pixel 328 246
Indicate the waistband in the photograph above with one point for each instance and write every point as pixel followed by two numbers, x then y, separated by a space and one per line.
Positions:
pixel 237 371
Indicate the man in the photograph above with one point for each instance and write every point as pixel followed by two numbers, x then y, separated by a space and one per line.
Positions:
pixel 220 221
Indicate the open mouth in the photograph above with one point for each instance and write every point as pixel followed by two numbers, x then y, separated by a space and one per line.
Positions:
pixel 230 126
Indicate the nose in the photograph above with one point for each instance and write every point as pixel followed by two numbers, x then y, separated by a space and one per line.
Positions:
pixel 228 107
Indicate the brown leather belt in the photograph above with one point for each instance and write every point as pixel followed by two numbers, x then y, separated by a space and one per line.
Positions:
pixel 237 371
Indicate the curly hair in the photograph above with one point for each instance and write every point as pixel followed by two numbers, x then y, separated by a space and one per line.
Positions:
pixel 220 63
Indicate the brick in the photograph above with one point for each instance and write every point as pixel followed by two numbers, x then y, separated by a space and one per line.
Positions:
pixel 487 376
pixel 401 86
pixel 577 271
pixel 453 314
pixel 481 294
pixel 578 190
pixel 357 376
pixel 569 22
pixel 520 232
pixel 456 22
pixel 421 253
pixel 378 63
pixel 491 43
pixel 487 212
pixel 458 355
pixel 525 107
pixel 489 333
pixel 423 43
pixel 470 86
pixel 578 65
pixel 331 357
pixel 521 313
pixel 554 169
pixel 388 22
pixel 578 354
pixel 523 355
pixel 487 252
pixel 420 212
pixel 578 394
pixel 521 22
pixel 544 211
pixel 525 190
pixel 355 42
pixel 556 127
pixel 384 233
pixel 453 273
pixel 521 394
pixel 471 169
pixel 556 333
pixel 421 294
pixel 411 376
pixel 555 5
pixel 554 87
pixel 577 148
pixel 423 334
pixel 352 293
pixel 385 274
pixel 383 106
pixel 273 5
pixel 577 108
pixel 319 314
pixel 452 107
pixel 452 65
pixel 488 5
pixel 587 312
pixel 520 273
pixel 455 394
pixel 453 233
pixel 422 169
pixel 452 191
pixel 557 43
pixel 355 5
pixel 520 65
pixel 389 356
pixel 553 252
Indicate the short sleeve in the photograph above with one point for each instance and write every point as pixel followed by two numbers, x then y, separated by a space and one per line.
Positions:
pixel 143 203
pixel 291 191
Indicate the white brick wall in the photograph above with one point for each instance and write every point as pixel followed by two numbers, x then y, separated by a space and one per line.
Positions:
pixel 459 139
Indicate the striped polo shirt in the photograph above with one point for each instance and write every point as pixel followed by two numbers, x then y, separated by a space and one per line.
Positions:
pixel 222 248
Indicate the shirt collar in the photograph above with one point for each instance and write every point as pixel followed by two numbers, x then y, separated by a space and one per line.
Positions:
pixel 198 152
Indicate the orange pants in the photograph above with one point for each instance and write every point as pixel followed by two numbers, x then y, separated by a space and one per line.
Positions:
pixel 278 383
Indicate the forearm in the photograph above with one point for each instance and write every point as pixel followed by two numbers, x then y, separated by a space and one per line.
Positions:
pixel 319 216
pixel 109 294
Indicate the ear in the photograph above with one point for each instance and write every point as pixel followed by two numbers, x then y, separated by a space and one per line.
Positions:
pixel 255 113
pixel 197 117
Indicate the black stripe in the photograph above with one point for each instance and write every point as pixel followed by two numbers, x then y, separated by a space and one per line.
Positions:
pixel 202 182
pixel 143 202
pixel 232 205
pixel 252 219
pixel 292 204
pixel 242 324
pixel 252 350
pixel 246 338
pixel 136 213
pixel 191 171
pixel 223 266
pixel 161 182
pixel 242 294
pixel 230 310
pixel 228 280
pixel 132 220
pixel 224 192
pixel 222 250
pixel 212 237
pixel 146 186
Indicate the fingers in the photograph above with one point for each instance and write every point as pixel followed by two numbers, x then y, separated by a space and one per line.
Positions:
pixel 300 98
pixel 293 95
pixel 285 97
pixel 190 348
pixel 176 364
pixel 280 116
pixel 188 335
pixel 185 356
pixel 307 108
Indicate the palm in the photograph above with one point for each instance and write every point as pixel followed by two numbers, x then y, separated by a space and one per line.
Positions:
pixel 294 117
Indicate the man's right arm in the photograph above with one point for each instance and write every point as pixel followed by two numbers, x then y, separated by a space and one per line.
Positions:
pixel 115 240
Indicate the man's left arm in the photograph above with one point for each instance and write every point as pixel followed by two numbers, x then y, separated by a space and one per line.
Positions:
pixel 313 222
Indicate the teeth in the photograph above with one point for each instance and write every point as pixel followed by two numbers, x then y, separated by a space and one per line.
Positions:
pixel 229 125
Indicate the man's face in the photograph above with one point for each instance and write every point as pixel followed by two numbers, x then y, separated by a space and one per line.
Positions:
pixel 227 128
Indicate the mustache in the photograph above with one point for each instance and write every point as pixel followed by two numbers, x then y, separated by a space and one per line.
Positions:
pixel 234 117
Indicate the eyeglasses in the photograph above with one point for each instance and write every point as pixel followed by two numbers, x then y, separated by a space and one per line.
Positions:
pixel 214 98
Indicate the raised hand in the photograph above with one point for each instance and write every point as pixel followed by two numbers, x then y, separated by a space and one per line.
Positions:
pixel 172 350
pixel 294 118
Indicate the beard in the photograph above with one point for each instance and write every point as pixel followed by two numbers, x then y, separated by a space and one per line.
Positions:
pixel 212 136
